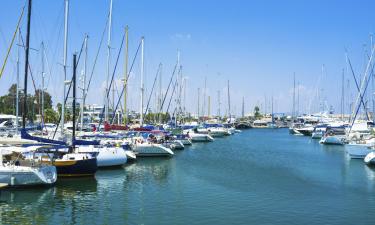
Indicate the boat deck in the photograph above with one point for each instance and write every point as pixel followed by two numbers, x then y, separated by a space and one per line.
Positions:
pixel 3 185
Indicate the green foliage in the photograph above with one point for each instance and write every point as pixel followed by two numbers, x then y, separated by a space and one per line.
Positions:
pixel 156 117
pixel 8 102
pixel 257 114
pixel 51 116
pixel 68 112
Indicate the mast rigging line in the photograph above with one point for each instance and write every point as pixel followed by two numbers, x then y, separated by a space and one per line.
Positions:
pixel 29 67
pixel 118 95
pixel 67 94
pixel 12 41
pixel 170 100
pixel 170 82
pixel 366 85
pixel 113 76
pixel 152 89
pixel 174 87
pixel 358 89
pixel 127 78
pixel 96 58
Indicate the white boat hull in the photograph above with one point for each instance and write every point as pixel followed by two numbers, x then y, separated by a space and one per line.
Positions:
pixel 317 135
pixel 218 133
pixel 370 159
pixel 200 137
pixel 357 152
pixel 333 140
pixel 27 176
pixel 185 141
pixel 146 149
pixel 107 157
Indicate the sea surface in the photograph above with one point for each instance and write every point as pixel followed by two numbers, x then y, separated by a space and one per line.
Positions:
pixel 254 177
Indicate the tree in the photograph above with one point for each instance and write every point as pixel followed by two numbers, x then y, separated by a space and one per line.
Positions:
pixel 47 99
pixel 9 102
pixel 257 115
pixel 151 117
pixel 51 116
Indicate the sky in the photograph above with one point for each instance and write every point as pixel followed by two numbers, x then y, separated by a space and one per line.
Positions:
pixel 257 45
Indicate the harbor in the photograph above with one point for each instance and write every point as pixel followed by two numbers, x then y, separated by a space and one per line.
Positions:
pixel 107 118
pixel 238 179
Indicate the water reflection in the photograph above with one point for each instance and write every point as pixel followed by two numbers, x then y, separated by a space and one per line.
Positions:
pixel 22 205
pixel 40 205
pixel 206 181
pixel 149 170
pixel 68 187
pixel 111 178
pixel 370 172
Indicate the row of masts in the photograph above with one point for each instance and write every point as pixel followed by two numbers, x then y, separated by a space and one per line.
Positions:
pixel 180 84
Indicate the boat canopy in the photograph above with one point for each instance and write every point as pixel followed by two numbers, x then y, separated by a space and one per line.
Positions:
pixel 25 135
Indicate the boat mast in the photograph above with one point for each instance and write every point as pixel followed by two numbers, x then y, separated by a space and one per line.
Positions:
pixel 108 62
pixel 198 103
pixel 18 78
pixel 160 93
pixel 142 85
pixel 64 63
pixel 265 105
pixel 126 73
pixel 84 81
pixel 297 99
pixel 209 107
pixel 272 110
pixel 204 97
pixel 185 83
pixel 219 104
pixel 229 104
pixel 342 95
pixel 26 65
pixel 294 95
pixel 74 97
pixel 43 76
pixel 181 85
pixel 372 84
pixel 243 107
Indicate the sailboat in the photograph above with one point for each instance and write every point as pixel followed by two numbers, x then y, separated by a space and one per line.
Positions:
pixel 75 164
pixel 195 136
pixel 68 162
pixel 370 159
pixel 272 124
pixel 15 170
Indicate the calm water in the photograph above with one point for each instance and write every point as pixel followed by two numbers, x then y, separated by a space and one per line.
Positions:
pixel 256 177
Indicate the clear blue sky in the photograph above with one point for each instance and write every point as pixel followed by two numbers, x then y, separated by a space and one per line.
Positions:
pixel 257 45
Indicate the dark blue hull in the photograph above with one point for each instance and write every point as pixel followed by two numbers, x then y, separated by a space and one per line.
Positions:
pixel 79 168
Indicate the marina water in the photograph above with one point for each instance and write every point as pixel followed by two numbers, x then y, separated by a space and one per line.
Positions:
pixel 259 176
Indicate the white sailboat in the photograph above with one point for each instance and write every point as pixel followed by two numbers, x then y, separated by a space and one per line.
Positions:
pixel 144 148
pixel 198 137
pixel 16 170
pixel 370 159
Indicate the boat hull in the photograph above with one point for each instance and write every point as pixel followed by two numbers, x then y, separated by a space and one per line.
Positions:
pixel 357 152
pixel 147 150
pixel 305 132
pixel 185 141
pixel 76 168
pixel 201 138
pixel 16 176
pixel 370 159
pixel 108 157
pixel 333 140
pixel 317 135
